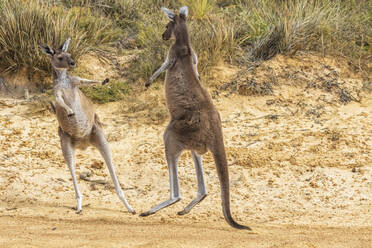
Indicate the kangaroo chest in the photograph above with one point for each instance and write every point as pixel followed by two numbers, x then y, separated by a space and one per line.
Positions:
pixel 184 91
pixel 80 124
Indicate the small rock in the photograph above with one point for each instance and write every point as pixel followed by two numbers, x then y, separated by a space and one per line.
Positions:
pixel 85 175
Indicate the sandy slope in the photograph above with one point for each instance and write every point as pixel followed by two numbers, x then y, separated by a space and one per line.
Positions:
pixel 300 169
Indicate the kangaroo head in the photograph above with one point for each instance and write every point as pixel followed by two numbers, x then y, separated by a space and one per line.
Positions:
pixel 177 24
pixel 60 59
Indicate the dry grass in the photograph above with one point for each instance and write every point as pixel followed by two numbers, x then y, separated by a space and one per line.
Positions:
pixel 211 36
pixel 245 31
pixel 200 9
pixel 29 22
pixel 232 31
pixel 271 27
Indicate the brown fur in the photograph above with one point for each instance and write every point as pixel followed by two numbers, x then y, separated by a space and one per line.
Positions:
pixel 195 123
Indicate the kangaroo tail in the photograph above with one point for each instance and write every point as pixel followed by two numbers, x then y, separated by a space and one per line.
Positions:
pixel 219 156
pixel 53 107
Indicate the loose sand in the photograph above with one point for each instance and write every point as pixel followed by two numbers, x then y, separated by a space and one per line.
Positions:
pixel 300 169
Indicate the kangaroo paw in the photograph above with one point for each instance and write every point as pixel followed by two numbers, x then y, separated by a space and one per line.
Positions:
pixel 105 81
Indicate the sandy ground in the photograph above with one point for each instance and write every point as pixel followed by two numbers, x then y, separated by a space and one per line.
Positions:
pixel 300 168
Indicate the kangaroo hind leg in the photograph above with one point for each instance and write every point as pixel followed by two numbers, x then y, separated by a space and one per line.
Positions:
pixel 172 152
pixel 98 139
pixel 68 154
pixel 202 191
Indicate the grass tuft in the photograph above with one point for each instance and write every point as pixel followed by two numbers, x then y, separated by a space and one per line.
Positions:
pixel 26 23
pixel 113 91
pixel 200 9
pixel 271 27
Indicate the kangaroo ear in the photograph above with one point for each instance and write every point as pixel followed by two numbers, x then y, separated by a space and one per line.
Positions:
pixel 65 45
pixel 184 11
pixel 168 13
pixel 47 49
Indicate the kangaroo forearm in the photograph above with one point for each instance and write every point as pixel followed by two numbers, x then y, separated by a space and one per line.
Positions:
pixel 165 66
pixel 196 68
pixel 61 103
pixel 84 81
pixel 194 58
pixel 195 62
pixel 156 74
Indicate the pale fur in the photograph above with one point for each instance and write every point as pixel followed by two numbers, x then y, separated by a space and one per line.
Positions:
pixel 79 125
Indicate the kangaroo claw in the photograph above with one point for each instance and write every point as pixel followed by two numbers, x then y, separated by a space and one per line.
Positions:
pixel 105 81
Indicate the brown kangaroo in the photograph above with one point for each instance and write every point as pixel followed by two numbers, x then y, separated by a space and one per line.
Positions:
pixel 195 123
pixel 79 126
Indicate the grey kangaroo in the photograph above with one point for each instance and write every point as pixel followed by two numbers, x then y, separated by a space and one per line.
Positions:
pixel 195 123
pixel 79 125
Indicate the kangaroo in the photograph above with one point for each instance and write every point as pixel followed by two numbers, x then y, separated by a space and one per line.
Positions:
pixel 79 125
pixel 195 123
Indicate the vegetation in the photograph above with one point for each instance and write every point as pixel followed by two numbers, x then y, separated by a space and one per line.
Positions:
pixel 110 92
pixel 271 27
pixel 27 23
pixel 236 31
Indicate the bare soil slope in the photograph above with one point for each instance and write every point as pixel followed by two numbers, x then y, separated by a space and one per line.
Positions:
pixel 298 136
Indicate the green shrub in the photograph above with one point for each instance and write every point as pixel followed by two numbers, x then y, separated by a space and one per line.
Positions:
pixel 113 91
